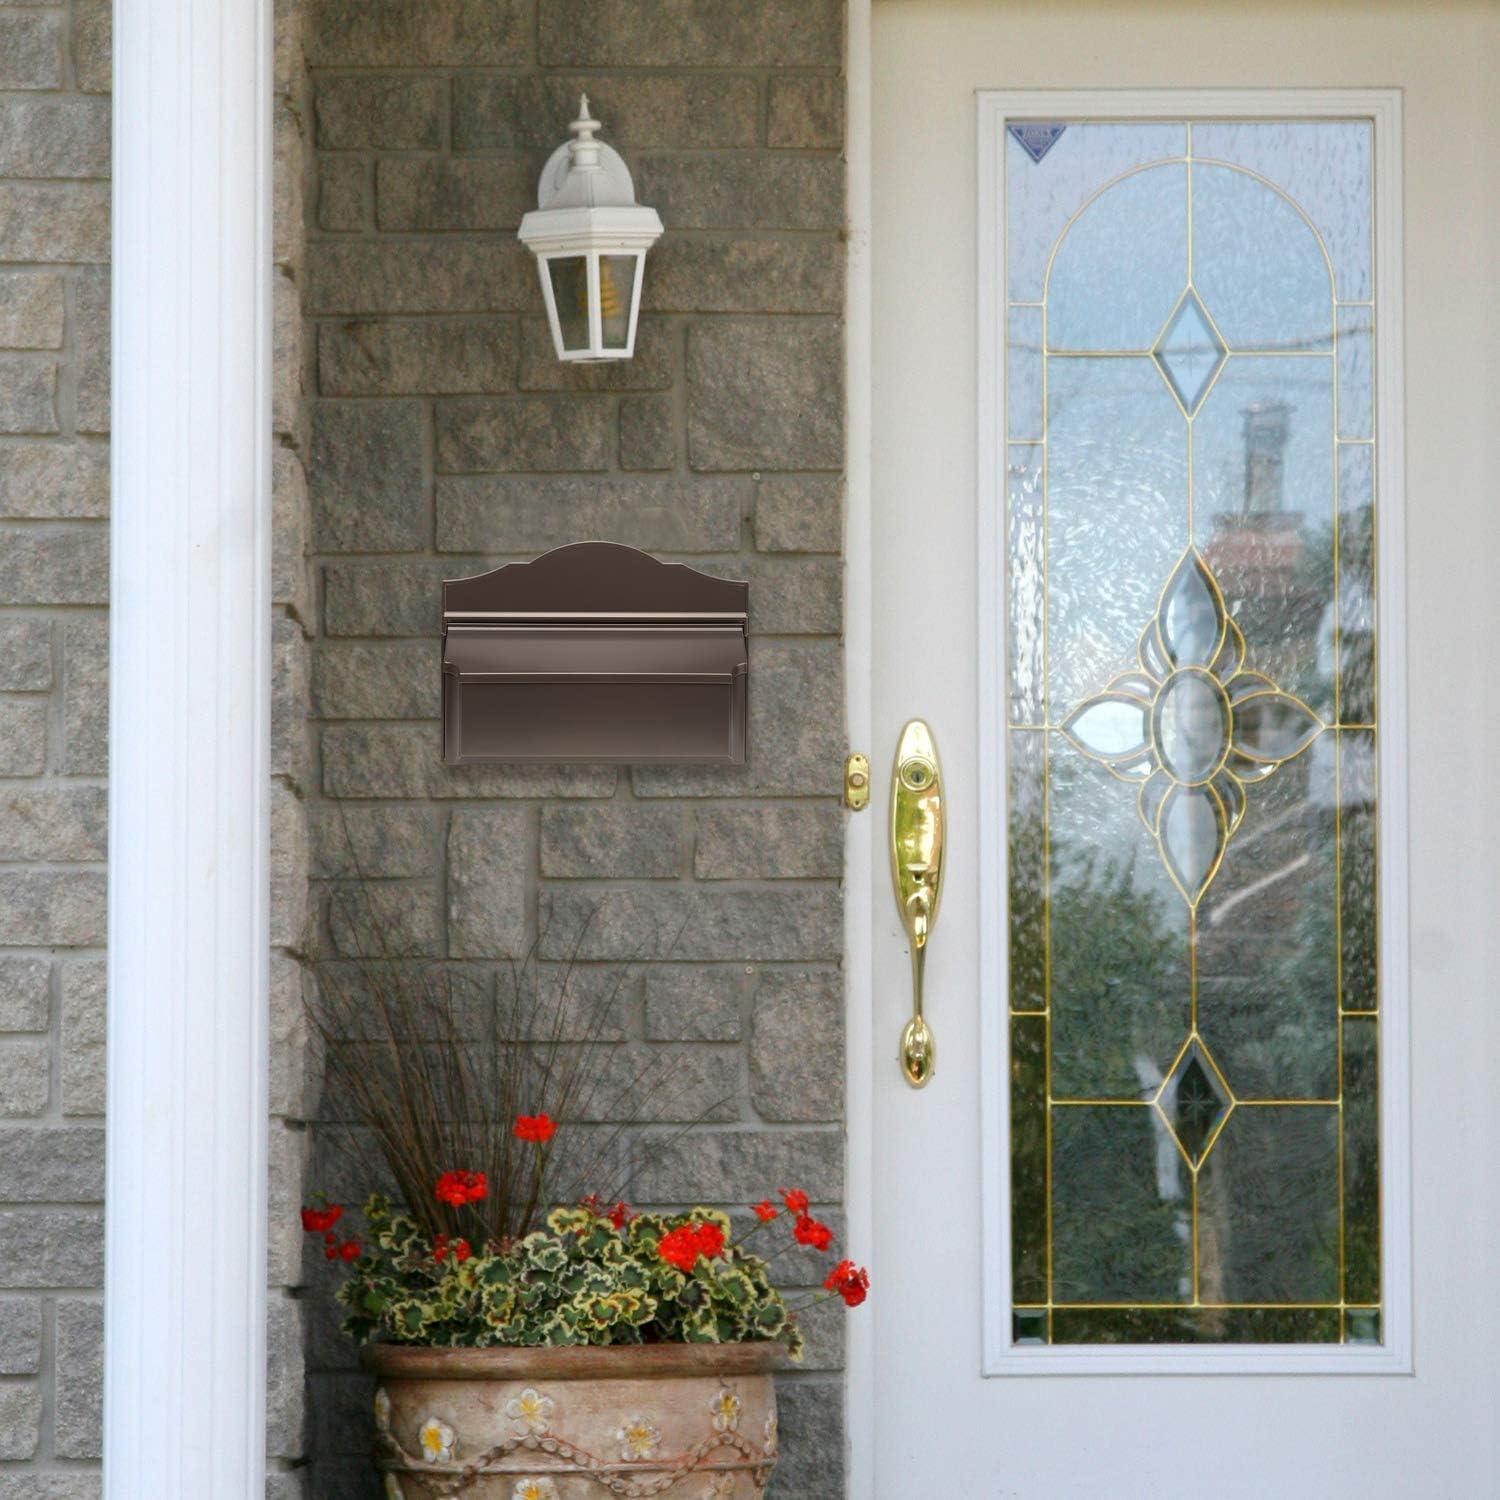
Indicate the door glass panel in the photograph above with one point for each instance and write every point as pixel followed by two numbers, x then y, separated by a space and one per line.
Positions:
pixel 1192 733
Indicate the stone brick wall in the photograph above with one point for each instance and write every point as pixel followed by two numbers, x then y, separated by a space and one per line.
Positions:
pixel 54 574
pixel 445 438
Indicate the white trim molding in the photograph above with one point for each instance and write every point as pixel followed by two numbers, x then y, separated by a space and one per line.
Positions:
pixel 1000 1355
pixel 185 1277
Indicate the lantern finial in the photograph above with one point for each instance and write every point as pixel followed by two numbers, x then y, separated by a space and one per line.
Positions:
pixel 584 148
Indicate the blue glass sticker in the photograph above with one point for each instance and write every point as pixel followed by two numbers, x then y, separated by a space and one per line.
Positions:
pixel 1035 138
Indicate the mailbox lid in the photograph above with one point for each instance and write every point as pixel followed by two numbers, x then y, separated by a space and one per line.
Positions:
pixel 595 652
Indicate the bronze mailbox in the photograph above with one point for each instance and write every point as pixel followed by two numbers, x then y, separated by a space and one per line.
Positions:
pixel 595 652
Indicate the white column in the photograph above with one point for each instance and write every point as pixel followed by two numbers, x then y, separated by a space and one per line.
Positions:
pixel 189 751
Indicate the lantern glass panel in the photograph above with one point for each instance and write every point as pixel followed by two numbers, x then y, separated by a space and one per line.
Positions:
pixel 570 295
pixel 616 293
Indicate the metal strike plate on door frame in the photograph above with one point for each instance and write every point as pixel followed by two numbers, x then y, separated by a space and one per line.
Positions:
pixel 917 836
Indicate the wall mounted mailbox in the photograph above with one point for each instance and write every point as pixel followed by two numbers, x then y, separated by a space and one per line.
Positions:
pixel 595 652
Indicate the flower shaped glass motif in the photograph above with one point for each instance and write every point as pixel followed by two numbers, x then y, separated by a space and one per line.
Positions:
pixel 1193 727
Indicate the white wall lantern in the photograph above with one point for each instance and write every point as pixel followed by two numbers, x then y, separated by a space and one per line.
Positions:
pixel 590 238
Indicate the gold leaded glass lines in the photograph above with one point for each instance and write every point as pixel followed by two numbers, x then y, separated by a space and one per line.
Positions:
pixel 1192 738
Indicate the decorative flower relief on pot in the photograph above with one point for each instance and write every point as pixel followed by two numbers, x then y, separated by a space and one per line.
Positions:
pixel 437 1440
pixel 638 1438
pixel 772 1431
pixel 382 1409
pixel 718 1487
pixel 726 1409
pixel 530 1411
pixel 534 1489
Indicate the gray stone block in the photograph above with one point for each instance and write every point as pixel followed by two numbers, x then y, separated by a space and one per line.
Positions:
pixel 346 193
pixel 753 842
pixel 812 1440
pixel 373 843
pixel 796 731
pixel 436 33
pixel 799 513
pixel 20 1335
pixel 687 33
pixel 523 433
pixel 823 1325
pixel 805 113
pixel 402 761
pixel 20 1419
pixel 288 231
pixel 47 908
pixel 91 321
pixel 748 191
pixel 25 999
pixel 286 355
pixel 75 1484
pixel 295 1053
pixel 380 598
pixel 28 394
pixel 54 221
pixel 25 1078
pixel 78 1415
pixel 649 370
pixel 23 736
pixel 53 1165
pixel 381 111
pixel 91 45
pixel 489 871
pixel 426 357
pixel 387 277
pixel 288 66
pixel 648 433
pixel 529 111
pixel 364 477
pixel 797 1046
pixel 739 1166
pixel 442 192
pixel 83 1037
pixel 389 680
pixel 285 1485
pixel 693 1003
pixel 51 1247
pixel 54 137
pixel 289 531
pixel 54 481
pixel 766 395
pixel 86 696
pixel 64 564
pixel 289 678
pixel 53 823
pixel 286 1161
pixel 717 273
pixel 288 867
pixel 661 514
pixel 284 1399
pixel 668 922
pixel 25 654
pixel 31 51
pixel 630 842
pixel 801 596
pixel 31 302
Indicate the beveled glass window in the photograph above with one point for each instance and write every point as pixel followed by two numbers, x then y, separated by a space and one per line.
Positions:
pixel 1192 732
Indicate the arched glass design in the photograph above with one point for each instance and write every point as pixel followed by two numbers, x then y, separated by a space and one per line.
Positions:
pixel 1192 733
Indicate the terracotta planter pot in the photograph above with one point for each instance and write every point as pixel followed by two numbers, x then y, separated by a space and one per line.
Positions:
pixel 689 1421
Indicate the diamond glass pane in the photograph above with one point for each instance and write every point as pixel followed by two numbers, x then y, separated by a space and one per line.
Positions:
pixel 1192 733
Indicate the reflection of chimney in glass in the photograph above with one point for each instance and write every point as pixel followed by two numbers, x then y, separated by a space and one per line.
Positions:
pixel 1267 426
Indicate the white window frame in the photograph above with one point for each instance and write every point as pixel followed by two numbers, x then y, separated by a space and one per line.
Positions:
pixel 1002 1357
pixel 190 636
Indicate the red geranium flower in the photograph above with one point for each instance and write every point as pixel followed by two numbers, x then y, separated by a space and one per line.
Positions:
pixel 682 1246
pixel 330 1252
pixel 795 1200
pixel 538 1128
pixel 321 1220
pixel 710 1240
pixel 851 1282
pixel 764 1211
pixel 618 1215
pixel 349 1250
pixel 461 1251
pixel 440 1247
pixel 459 1188
pixel 810 1232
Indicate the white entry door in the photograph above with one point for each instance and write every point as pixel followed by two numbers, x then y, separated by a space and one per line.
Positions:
pixel 1184 454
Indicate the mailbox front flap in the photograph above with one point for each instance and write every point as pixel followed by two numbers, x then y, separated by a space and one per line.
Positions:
pixel 519 652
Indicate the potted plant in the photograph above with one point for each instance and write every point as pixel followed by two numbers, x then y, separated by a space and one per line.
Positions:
pixel 528 1341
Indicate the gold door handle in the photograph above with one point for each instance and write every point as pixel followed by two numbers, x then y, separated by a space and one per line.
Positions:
pixel 917 870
